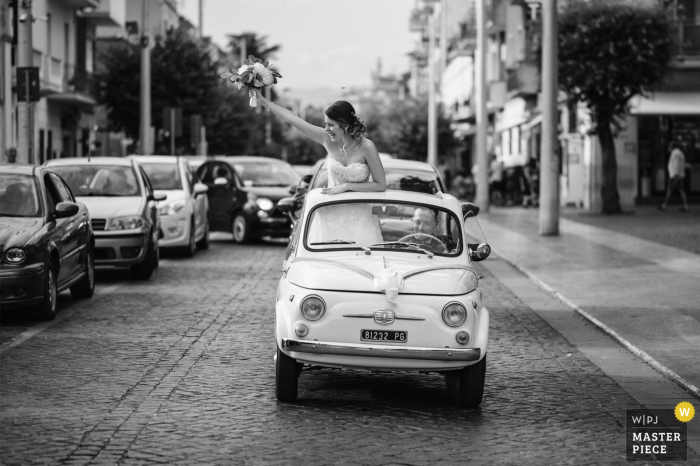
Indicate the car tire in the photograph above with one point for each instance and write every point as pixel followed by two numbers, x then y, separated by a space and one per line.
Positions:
pixel 240 229
pixel 471 384
pixel 85 288
pixel 47 308
pixel 286 378
pixel 204 242
pixel 190 249
pixel 144 270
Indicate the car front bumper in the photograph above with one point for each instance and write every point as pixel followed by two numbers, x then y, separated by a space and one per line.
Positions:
pixel 276 227
pixel 120 249
pixel 175 231
pixel 20 287
pixel 382 351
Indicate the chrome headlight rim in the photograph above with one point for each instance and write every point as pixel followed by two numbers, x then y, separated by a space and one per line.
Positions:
pixel 265 204
pixel 464 309
pixel 306 298
pixel 15 261
pixel 138 220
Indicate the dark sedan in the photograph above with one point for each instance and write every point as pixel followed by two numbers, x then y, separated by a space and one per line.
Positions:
pixel 46 241
pixel 243 195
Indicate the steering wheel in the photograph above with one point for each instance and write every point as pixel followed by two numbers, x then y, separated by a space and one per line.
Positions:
pixel 432 244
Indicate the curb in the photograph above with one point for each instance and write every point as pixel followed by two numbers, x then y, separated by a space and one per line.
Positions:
pixel 687 386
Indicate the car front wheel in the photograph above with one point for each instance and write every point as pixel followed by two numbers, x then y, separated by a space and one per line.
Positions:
pixel 144 270
pixel 286 377
pixel 191 247
pixel 240 229
pixel 471 384
pixel 47 308
pixel 204 242
pixel 85 288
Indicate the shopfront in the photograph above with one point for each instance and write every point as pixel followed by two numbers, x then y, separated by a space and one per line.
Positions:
pixel 666 118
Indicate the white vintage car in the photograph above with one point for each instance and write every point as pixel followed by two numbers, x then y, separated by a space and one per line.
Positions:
pixel 382 281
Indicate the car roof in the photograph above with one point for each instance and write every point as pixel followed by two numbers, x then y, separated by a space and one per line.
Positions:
pixel 170 159
pixel 120 161
pixel 247 159
pixel 316 196
pixel 18 168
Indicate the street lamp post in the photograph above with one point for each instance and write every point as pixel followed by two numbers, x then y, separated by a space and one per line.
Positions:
pixel 25 108
pixel 432 110
pixel 145 133
pixel 482 159
pixel 549 163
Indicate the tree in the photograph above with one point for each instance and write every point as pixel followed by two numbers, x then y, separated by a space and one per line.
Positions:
pixel 401 129
pixel 252 44
pixel 609 53
pixel 183 74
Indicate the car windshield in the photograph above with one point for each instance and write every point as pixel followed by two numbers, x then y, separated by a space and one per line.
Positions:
pixel 267 174
pixel 400 226
pixel 100 180
pixel 402 179
pixel 165 176
pixel 18 196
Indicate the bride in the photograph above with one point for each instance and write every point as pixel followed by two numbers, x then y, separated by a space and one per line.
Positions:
pixel 351 159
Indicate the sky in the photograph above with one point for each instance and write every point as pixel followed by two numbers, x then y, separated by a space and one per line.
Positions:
pixel 327 45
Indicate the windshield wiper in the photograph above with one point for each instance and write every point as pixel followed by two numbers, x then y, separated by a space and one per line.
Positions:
pixel 367 250
pixel 408 245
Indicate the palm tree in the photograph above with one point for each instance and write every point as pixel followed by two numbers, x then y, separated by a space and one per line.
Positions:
pixel 249 43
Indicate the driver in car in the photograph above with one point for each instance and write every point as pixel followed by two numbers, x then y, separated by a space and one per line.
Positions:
pixel 424 224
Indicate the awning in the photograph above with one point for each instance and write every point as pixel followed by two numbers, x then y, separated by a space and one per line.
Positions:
pixel 515 112
pixel 666 103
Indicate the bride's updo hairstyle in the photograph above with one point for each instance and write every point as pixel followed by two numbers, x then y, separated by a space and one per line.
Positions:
pixel 344 113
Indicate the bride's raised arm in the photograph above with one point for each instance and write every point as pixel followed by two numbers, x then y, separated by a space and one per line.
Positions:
pixel 314 132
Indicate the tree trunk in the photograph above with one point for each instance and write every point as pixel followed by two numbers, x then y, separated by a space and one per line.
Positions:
pixel 608 191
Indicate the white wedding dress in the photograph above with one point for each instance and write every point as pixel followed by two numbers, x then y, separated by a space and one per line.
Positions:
pixel 350 222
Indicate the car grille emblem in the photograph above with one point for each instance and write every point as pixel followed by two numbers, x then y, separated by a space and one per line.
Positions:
pixel 384 316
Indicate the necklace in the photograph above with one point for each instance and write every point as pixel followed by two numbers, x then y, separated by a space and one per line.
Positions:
pixel 343 149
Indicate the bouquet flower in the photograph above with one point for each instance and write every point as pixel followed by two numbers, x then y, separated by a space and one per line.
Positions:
pixel 254 74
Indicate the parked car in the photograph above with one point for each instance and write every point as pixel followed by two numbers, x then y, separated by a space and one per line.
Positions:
pixel 122 206
pixel 385 282
pixel 46 241
pixel 405 175
pixel 243 195
pixel 183 217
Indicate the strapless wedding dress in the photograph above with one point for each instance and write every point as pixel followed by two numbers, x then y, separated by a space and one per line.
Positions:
pixel 351 222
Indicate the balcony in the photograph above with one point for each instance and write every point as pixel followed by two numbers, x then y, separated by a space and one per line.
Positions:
pixel 108 13
pixel 52 75
pixel 79 88
pixel 523 80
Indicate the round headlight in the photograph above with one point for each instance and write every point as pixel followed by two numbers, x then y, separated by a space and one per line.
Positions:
pixel 15 255
pixel 313 307
pixel 454 314
pixel 265 203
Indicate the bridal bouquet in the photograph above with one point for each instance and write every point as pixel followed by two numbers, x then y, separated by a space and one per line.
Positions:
pixel 254 74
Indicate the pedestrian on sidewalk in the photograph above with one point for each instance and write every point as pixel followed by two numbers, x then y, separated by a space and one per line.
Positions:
pixel 496 180
pixel 676 174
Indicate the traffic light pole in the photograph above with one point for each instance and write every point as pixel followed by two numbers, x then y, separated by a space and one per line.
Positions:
pixel 25 59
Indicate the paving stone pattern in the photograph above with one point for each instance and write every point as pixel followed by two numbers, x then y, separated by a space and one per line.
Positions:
pixel 179 370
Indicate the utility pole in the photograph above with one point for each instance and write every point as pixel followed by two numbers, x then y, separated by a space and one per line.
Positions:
pixel 4 76
pixel 549 163
pixel 432 113
pixel 145 132
pixel 201 20
pixel 482 158
pixel 25 59
pixel 443 38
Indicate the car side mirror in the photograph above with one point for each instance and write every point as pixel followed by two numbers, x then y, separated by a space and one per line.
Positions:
pixel 288 205
pixel 479 252
pixel 200 188
pixel 221 181
pixel 469 209
pixel 157 197
pixel 292 189
pixel 66 209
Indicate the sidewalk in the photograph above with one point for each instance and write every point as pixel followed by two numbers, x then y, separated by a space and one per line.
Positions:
pixel 645 294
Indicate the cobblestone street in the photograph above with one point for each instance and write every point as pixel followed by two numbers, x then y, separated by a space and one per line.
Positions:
pixel 180 370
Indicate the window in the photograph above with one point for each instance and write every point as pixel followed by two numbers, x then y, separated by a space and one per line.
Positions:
pixel 61 188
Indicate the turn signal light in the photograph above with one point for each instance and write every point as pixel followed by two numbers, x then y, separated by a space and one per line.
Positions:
pixel 462 338
pixel 301 329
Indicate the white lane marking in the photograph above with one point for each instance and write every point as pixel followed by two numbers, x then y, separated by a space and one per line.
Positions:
pixel 26 335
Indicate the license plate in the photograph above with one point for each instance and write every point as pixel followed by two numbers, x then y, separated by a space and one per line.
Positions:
pixel 384 335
